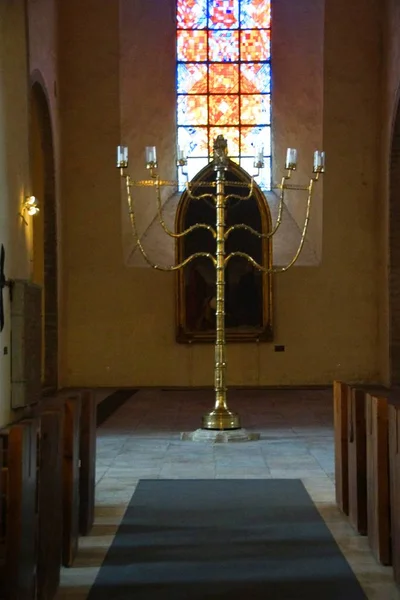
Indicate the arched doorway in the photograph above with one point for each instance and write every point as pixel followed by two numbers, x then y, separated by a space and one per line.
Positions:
pixel 44 260
pixel 248 292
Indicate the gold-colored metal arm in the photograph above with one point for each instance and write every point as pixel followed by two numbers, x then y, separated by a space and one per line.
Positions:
pixel 150 182
pixel 139 244
pixel 201 197
pixel 194 184
pixel 182 233
pixel 253 231
pixel 237 197
pixel 290 186
pixel 273 231
pixel 299 249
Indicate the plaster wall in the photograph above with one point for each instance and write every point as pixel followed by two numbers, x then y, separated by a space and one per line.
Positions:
pixel 43 73
pixel 297 101
pixel 119 328
pixel 14 169
pixel 42 26
pixel 389 197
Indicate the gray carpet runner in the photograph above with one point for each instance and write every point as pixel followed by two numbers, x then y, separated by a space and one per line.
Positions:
pixel 200 539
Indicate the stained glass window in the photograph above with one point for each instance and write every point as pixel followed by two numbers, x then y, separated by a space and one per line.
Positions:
pixel 224 80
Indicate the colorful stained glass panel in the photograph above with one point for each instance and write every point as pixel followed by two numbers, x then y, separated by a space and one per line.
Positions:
pixel 254 45
pixel 255 14
pixel 224 110
pixel 192 78
pixel 223 46
pixel 192 110
pixel 192 46
pixel 223 14
pixel 255 109
pixel 231 134
pixel 255 78
pixel 253 138
pixel 223 78
pixel 194 140
pixel 191 14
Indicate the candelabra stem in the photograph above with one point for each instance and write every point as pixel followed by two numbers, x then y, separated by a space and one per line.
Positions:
pixel 220 417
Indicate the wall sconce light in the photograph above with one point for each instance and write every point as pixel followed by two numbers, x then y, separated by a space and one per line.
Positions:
pixel 30 206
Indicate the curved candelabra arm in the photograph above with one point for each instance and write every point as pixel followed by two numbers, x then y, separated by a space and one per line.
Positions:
pixel 299 249
pixel 273 231
pixel 182 233
pixel 139 244
pixel 202 196
pixel 248 228
pixel 236 196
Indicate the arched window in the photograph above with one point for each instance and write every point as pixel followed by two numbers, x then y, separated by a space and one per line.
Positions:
pixel 224 81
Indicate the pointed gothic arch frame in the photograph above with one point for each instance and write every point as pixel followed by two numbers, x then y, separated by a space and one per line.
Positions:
pixel 258 215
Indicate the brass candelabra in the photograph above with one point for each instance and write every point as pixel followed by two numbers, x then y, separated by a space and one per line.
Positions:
pixel 220 417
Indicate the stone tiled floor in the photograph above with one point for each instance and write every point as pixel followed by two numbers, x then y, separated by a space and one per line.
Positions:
pixel 142 440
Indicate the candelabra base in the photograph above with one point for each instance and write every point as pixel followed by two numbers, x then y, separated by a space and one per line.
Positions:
pixel 219 437
pixel 220 419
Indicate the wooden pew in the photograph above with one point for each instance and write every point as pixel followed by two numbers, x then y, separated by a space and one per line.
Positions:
pixel 394 462
pixel 87 453
pixel 72 412
pixel 50 451
pixel 78 470
pixel 50 495
pixel 357 460
pixel 341 393
pixel 20 515
pixel 378 504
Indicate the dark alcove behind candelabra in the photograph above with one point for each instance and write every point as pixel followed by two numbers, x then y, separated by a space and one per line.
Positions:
pixel 248 292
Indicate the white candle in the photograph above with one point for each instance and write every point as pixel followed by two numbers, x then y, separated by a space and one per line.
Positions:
pixel 259 158
pixel 319 161
pixel 151 155
pixel 122 156
pixel 291 158
pixel 181 154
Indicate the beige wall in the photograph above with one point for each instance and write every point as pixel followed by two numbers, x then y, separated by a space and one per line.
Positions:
pixel 95 283
pixel 14 168
pixel 119 327
pixel 43 70
pixel 297 100
pixel 389 307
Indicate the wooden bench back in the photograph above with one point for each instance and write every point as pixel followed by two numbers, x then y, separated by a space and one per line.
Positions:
pixel 50 503
pixel 394 462
pixel 87 474
pixel 341 393
pixel 378 502
pixel 71 458
pixel 19 521
pixel 357 460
